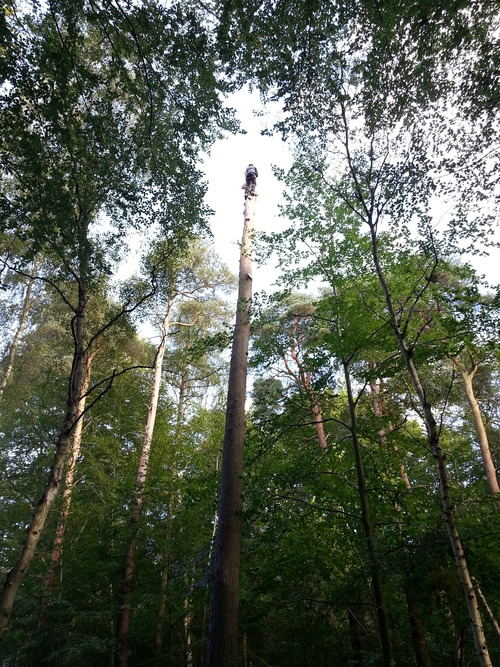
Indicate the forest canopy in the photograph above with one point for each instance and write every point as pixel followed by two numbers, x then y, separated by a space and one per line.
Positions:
pixel 341 507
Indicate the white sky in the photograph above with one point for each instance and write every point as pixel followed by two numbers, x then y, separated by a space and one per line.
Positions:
pixel 225 169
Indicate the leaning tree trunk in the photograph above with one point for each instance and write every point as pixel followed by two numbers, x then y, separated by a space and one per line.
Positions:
pixel 484 445
pixel 222 646
pixel 57 545
pixel 9 364
pixel 16 575
pixel 439 455
pixel 383 621
pixel 126 585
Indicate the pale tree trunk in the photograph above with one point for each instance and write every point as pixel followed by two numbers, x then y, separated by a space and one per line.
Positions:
pixel 126 585
pixel 489 612
pixel 222 645
pixel 7 371
pixel 383 621
pixel 484 445
pixel 168 529
pixel 57 545
pixel 16 575
pixel 187 633
pixel 444 481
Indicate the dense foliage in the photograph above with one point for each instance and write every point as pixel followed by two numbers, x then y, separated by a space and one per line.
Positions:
pixel 372 429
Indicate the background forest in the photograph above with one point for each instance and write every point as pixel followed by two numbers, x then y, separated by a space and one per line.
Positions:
pixel 369 529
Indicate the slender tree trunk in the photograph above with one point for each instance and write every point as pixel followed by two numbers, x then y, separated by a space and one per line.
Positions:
pixel 57 545
pixel 489 612
pixel 168 529
pixel 305 381
pixel 417 630
pixel 489 466
pixel 164 579
pixel 222 647
pixel 379 411
pixel 444 482
pixel 356 635
pixel 19 332
pixel 383 621
pixel 187 634
pixel 16 575
pixel 126 585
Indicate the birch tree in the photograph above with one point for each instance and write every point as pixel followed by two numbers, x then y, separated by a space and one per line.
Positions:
pixel 84 115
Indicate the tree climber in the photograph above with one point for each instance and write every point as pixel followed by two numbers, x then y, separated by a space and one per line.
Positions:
pixel 251 174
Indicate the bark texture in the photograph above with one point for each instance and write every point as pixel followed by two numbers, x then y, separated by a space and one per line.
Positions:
pixel 16 575
pixel 482 436
pixel 222 645
pixel 57 545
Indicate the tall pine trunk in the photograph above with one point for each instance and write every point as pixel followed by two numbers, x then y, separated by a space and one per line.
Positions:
pixel 126 585
pixel 57 545
pixel 439 455
pixel 222 645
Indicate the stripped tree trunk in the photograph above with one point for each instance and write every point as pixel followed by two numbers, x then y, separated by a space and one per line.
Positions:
pixel 439 455
pixel 222 646
pixel 126 585
pixel 484 445
pixel 20 329
pixel 67 497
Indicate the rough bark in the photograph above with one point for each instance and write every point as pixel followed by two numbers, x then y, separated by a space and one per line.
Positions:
pixel 439 455
pixel 9 364
pixel 126 585
pixel 16 575
pixel 484 445
pixel 222 645
pixel 382 618
pixel 57 545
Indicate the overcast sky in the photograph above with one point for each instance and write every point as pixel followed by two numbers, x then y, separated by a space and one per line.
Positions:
pixel 225 175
